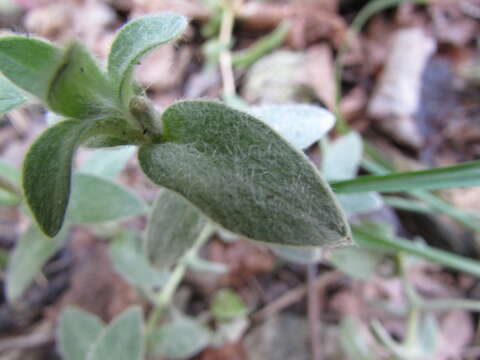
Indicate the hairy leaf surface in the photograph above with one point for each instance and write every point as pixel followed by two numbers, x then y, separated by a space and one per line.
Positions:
pixel 343 157
pixel 300 124
pixel 108 163
pixel 96 200
pixel 47 173
pixel 136 39
pixel 244 176
pixel 304 256
pixel 174 225
pixel 31 252
pixel 122 339
pixel 358 203
pixel 133 265
pixel 10 96
pixel 29 63
pixel 180 339
pixel 9 179
pixel 77 331
pixel 80 89
pixel 47 168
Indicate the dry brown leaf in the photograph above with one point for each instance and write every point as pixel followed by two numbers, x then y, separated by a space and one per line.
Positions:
pixel 397 95
pixel 320 73
pixel 164 68
pixel 456 332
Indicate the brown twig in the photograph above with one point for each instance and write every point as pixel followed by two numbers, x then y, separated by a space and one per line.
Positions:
pixel 26 341
pixel 296 294
pixel 313 306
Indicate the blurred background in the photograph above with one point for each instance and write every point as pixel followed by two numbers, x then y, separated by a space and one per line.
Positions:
pixel 403 74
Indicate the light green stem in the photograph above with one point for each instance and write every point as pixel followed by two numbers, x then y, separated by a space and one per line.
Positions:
pixel 226 68
pixel 7 185
pixel 247 57
pixel 165 296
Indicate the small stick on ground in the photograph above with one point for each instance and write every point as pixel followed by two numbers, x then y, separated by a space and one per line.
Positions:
pixel 296 294
pixel 313 306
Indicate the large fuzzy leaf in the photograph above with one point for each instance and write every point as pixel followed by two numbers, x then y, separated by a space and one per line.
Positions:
pixel 244 176
pixel 133 265
pixel 300 124
pixel 29 63
pixel 47 173
pixel 136 39
pixel 343 157
pixel 9 179
pixel 48 164
pixel 77 331
pixel 79 88
pixel 108 163
pixel 10 96
pixel 122 339
pixel 31 252
pixel 297 255
pixel 180 339
pixel 174 225
pixel 96 200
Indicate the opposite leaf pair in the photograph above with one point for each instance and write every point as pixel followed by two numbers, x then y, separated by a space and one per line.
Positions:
pixel 229 164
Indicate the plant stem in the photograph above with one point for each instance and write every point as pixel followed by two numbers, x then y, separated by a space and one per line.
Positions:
pixel 165 296
pixel 7 185
pixel 414 303
pixel 244 58
pixel 313 312
pixel 226 30
pixel 449 304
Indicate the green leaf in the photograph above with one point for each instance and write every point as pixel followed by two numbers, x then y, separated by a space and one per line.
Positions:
pixel 107 163
pixel 29 63
pixel 173 226
pixel 466 174
pixel 300 124
pixel 433 202
pixel 136 39
pixel 358 263
pixel 354 341
pixel 200 265
pixel 355 204
pixel 343 157
pixel 133 265
pixel 77 331
pixel 183 338
pixel 9 179
pixel 428 337
pixel 47 167
pixel 32 251
pixel 47 173
pixel 122 339
pixel 10 96
pixel 96 200
pixel 372 239
pixel 80 89
pixel 244 176
pixel 228 305
pixel 304 256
